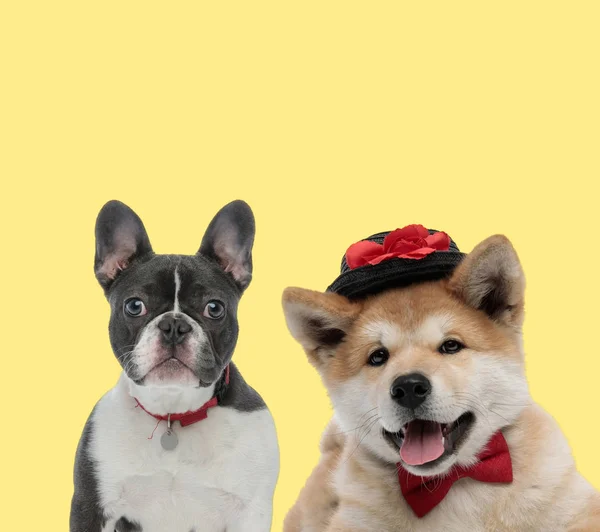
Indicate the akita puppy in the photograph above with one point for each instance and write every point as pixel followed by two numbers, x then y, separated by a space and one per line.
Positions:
pixel 434 428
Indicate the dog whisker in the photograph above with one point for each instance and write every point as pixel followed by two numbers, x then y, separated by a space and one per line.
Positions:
pixel 360 425
pixel 373 423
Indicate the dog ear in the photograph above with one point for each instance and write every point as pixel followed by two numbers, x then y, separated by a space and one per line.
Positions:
pixel 318 321
pixel 120 239
pixel 491 279
pixel 229 239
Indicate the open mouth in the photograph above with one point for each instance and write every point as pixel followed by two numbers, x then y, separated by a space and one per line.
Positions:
pixel 422 441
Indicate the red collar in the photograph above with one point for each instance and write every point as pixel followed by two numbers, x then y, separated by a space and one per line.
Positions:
pixel 192 416
pixel 424 493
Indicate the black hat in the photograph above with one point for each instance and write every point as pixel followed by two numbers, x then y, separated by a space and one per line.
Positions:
pixel 392 259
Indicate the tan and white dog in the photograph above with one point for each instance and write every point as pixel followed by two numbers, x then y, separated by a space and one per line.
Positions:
pixel 421 379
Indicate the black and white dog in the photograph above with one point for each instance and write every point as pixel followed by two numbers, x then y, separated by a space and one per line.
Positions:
pixel 181 443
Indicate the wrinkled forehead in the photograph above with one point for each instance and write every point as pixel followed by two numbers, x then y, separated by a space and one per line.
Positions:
pixel 167 277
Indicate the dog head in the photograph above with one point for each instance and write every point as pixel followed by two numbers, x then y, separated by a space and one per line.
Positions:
pixel 173 317
pixel 423 375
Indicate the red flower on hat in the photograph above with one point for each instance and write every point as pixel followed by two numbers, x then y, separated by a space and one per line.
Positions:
pixel 410 242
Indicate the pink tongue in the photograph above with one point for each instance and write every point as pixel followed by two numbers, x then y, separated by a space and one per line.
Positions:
pixel 423 442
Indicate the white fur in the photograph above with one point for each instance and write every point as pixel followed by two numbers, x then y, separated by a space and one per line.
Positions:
pixel 177 287
pixel 149 351
pixel 384 332
pixel 546 494
pixel 496 393
pixel 433 330
pixel 220 477
pixel 548 504
pixel 162 400
pixel 297 314
pixel 546 500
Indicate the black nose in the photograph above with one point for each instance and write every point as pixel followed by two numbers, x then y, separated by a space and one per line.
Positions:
pixel 411 390
pixel 174 329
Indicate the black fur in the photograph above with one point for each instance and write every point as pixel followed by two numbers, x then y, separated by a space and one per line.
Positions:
pixel 86 512
pixel 325 335
pixel 126 267
pixel 496 299
pixel 240 395
pixel 119 231
pixel 229 239
pixel 125 525
pixel 153 281
pixel 205 276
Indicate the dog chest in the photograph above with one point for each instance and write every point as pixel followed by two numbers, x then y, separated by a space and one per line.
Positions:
pixel 214 472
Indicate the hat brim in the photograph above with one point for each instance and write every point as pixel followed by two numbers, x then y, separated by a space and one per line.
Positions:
pixel 394 273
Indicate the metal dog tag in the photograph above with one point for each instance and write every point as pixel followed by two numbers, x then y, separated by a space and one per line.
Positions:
pixel 169 439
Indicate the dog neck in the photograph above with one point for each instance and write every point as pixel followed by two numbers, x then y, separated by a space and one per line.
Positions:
pixel 164 400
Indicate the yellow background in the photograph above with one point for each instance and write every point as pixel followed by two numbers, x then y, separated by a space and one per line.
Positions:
pixel 334 120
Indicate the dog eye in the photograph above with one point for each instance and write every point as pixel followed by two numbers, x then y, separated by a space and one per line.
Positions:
pixel 135 307
pixel 214 310
pixel 450 347
pixel 379 357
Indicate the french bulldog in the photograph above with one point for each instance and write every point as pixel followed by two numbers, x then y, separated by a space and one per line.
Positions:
pixel 181 443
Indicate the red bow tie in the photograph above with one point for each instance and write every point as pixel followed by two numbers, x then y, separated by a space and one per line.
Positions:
pixel 193 416
pixel 424 493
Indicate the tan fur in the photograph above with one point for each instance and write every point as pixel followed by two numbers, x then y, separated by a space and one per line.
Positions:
pixel 355 486
pixel 318 501
pixel 588 521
